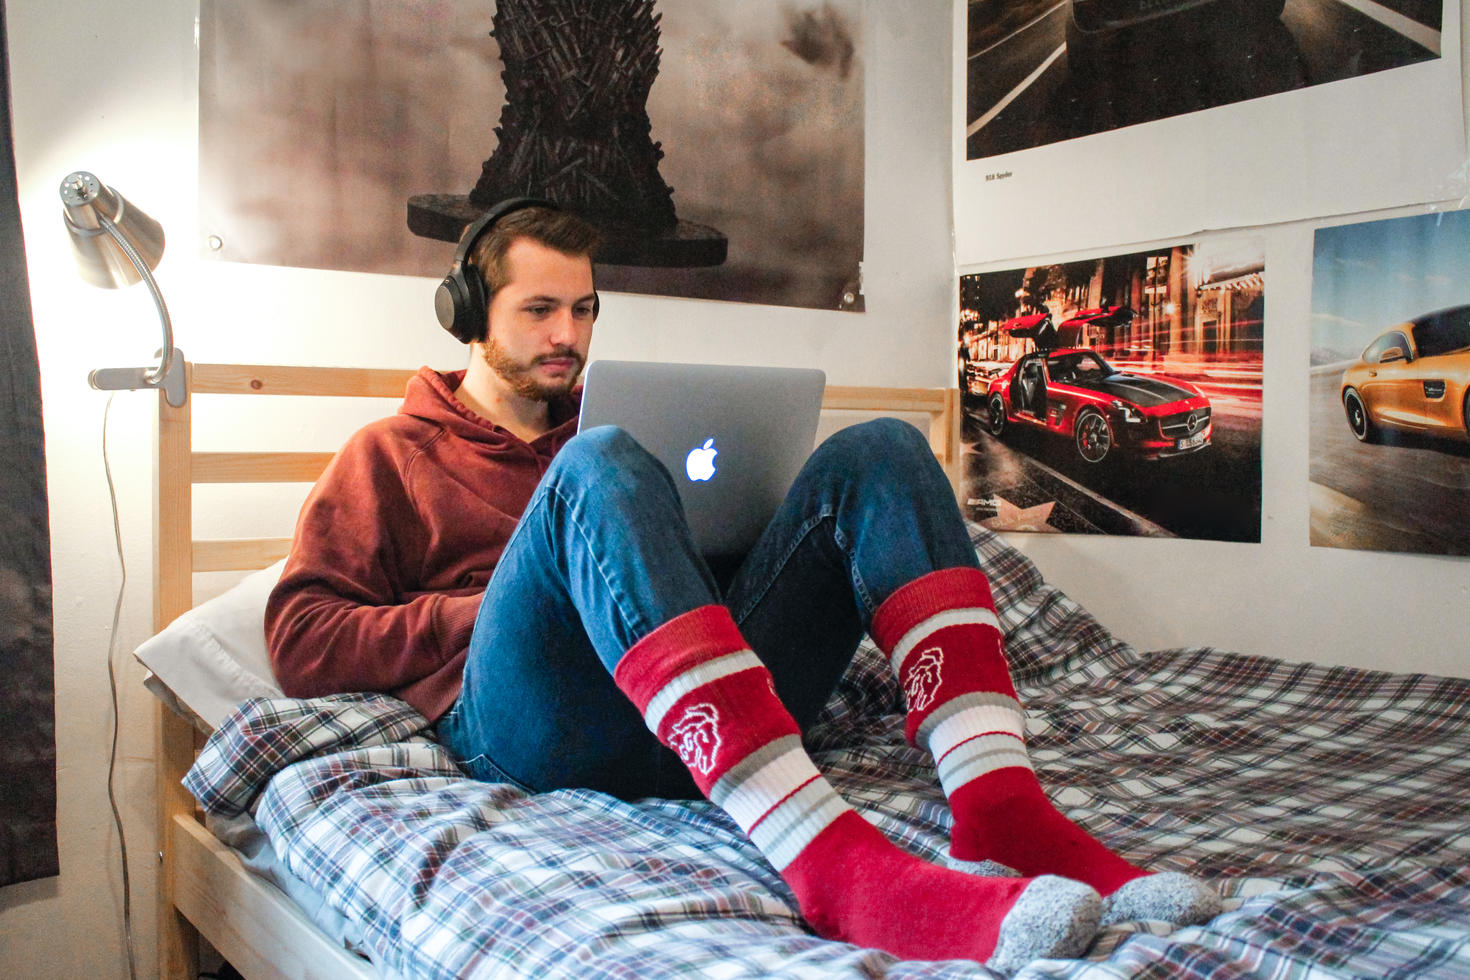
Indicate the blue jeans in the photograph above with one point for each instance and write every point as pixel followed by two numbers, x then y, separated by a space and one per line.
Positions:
pixel 602 557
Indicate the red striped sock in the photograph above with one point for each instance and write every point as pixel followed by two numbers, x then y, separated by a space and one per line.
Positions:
pixel 707 696
pixel 944 642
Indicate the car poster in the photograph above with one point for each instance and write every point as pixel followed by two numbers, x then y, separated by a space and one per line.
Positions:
pixel 1118 394
pixel 1087 123
pixel 1389 382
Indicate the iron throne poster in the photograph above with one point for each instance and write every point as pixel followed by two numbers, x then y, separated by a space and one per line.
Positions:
pixel 721 144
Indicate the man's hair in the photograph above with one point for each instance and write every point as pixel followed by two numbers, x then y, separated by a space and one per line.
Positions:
pixel 562 231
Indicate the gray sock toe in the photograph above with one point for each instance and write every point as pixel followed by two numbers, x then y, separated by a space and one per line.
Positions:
pixel 1054 917
pixel 1166 897
pixel 986 868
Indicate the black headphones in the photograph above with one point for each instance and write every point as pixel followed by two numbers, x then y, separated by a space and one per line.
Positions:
pixel 460 301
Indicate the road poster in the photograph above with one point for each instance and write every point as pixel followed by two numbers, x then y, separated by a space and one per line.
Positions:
pixel 1390 385
pixel 1083 124
pixel 1119 394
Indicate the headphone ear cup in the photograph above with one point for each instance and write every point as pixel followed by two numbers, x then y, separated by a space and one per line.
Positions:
pixel 472 313
pixel 459 304
pixel 446 302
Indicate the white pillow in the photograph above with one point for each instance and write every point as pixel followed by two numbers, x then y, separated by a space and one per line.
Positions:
pixel 213 656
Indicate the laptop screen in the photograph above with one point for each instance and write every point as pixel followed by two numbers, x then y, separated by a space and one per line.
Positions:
pixel 732 437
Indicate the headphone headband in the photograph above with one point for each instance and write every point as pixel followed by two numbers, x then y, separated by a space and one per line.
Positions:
pixel 461 302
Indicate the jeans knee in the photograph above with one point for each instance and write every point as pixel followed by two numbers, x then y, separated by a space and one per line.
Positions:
pixel 608 458
pixel 885 453
pixel 593 451
pixel 882 440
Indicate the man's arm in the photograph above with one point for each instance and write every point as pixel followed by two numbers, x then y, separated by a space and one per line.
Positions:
pixel 348 613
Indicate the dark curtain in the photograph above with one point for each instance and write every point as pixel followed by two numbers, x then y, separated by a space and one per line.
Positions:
pixel 28 717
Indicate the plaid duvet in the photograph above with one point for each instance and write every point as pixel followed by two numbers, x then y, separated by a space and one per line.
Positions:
pixel 1331 807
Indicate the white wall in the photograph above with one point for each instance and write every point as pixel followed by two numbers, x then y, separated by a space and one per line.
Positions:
pixel 112 87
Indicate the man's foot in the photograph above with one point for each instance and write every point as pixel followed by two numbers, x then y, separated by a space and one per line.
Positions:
pixel 709 698
pixel 855 885
pixel 943 639
pixel 1005 817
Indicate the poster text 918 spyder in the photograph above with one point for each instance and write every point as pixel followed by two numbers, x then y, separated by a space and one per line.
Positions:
pixel 1106 413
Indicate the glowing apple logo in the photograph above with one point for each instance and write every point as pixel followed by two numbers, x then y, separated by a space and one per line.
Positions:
pixel 700 463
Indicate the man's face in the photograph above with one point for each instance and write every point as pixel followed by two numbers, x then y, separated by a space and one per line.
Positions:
pixel 540 321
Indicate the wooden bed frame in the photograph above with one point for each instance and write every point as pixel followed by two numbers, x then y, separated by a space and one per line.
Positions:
pixel 203 888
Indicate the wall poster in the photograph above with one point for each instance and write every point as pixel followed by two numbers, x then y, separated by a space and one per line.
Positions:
pixel 724 141
pixel 1118 394
pixel 1390 385
pixel 1143 121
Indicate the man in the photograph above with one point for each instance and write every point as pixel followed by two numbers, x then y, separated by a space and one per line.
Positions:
pixel 604 653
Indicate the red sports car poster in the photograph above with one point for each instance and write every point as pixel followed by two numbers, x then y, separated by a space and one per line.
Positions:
pixel 1390 385
pixel 1117 395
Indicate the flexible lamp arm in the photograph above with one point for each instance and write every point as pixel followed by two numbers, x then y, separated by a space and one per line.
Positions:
pixel 155 376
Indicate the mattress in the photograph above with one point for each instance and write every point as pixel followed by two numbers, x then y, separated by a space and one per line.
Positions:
pixel 1330 806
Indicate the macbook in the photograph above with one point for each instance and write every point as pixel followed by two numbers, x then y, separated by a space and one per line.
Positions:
pixel 733 438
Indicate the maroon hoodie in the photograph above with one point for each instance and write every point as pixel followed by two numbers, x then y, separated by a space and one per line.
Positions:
pixel 394 546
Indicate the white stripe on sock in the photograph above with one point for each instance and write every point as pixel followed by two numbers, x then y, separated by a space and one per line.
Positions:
pixel 969 616
pixel 694 677
pixel 756 795
pixel 976 720
pixel 979 756
pixel 796 821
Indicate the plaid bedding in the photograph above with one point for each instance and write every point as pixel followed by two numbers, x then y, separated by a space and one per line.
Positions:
pixel 1331 807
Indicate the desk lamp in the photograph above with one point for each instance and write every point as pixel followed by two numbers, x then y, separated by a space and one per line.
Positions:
pixel 116 245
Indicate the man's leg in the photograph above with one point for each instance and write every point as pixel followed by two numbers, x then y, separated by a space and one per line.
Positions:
pixel 707 696
pixel 944 642
pixel 870 539
pixel 600 558
pixel 604 544
pixel 870 511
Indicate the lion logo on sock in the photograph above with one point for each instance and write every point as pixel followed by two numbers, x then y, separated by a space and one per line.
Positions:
pixel 696 737
pixel 923 681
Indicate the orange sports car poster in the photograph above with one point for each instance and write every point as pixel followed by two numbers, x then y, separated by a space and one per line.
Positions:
pixel 1390 385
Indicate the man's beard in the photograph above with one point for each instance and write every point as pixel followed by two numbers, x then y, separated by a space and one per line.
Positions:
pixel 517 374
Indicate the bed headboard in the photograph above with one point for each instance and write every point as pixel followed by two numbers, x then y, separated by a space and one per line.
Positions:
pixel 179 555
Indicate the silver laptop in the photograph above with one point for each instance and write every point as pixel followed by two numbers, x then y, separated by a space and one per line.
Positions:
pixel 733 438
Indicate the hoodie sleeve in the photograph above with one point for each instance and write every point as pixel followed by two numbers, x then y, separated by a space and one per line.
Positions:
pixel 345 616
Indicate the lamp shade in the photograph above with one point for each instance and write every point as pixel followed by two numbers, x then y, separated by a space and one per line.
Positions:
pixel 89 205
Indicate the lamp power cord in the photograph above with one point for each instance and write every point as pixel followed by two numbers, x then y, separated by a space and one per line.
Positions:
pixel 122 837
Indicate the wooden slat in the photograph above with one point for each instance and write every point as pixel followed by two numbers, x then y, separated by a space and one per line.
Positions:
pixel 944 438
pixel 258 467
pixel 250 922
pixel 178 941
pixel 238 554
pixel 260 379
pixel 173 594
pixel 173 590
pixel 861 399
